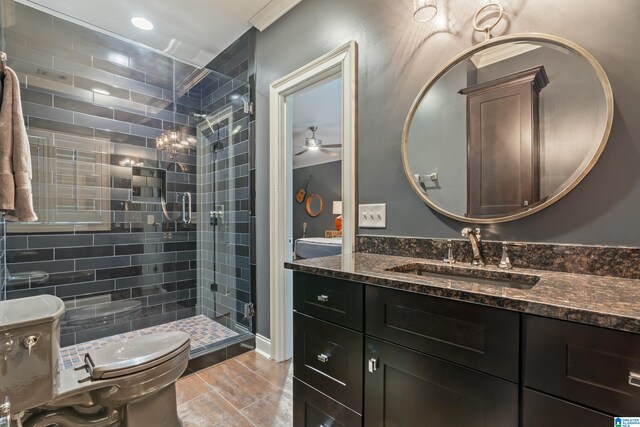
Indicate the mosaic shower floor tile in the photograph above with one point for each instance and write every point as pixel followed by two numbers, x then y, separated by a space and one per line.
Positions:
pixel 205 334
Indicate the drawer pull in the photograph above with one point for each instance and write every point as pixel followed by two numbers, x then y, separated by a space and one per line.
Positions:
pixel 323 358
pixel 634 379
pixel 323 298
pixel 373 365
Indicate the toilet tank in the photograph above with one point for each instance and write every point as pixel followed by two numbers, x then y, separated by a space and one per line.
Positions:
pixel 29 378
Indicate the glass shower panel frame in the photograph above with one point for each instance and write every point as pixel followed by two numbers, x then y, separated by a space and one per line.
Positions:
pixel 224 206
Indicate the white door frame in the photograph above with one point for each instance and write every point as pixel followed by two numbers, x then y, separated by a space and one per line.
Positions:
pixel 343 61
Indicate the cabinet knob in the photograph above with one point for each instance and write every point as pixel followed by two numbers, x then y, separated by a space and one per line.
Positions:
pixel 323 358
pixel 373 365
pixel 634 379
pixel 323 298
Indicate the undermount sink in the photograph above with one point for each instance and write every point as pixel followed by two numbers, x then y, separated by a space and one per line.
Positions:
pixel 506 279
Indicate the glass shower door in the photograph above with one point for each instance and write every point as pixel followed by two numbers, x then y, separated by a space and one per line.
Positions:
pixel 224 271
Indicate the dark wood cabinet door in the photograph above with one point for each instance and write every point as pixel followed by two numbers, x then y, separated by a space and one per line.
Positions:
pixel 482 338
pixel 540 410
pixel 407 388
pixel 585 364
pixel 328 358
pixel 314 409
pixel 334 300
pixel 503 143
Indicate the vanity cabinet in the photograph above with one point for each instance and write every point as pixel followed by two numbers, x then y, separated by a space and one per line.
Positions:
pixel 407 388
pixel 541 410
pixel 375 356
pixel 587 365
pixel 328 345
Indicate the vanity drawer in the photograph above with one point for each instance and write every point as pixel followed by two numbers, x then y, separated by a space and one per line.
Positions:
pixel 329 358
pixel 585 364
pixel 312 409
pixel 540 410
pixel 334 300
pixel 479 337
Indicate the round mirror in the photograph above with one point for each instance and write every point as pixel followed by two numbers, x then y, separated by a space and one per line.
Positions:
pixel 315 204
pixel 507 128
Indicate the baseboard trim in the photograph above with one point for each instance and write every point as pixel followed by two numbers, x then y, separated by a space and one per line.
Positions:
pixel 263 346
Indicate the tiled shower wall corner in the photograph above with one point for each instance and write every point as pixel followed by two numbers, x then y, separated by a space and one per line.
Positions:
pixel 224 186
pixel 82 88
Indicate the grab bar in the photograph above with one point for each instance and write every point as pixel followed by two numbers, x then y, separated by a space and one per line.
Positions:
pixel 186 207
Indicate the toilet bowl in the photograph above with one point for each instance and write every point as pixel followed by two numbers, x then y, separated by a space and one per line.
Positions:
pixel 130 383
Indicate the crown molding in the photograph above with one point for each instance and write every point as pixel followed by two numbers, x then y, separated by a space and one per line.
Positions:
pixel 271 13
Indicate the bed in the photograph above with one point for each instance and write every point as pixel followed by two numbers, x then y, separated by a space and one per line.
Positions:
pixel 315 247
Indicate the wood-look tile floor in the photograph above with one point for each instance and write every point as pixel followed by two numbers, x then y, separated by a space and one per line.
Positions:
pixel 247 390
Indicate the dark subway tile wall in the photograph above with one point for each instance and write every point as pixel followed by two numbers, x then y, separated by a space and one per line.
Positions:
pixel 140 269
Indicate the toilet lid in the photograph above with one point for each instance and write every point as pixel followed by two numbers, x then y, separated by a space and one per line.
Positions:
pixel 135 354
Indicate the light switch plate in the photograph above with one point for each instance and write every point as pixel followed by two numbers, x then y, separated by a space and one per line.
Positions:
pixel 372 216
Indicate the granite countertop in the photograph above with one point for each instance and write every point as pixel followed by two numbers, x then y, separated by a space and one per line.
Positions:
pixel 604 301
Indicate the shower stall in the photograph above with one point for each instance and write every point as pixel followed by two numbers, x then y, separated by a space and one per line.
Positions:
pixel 141 180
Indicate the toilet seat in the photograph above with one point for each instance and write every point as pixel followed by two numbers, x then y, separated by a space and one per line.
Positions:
pixel 135 354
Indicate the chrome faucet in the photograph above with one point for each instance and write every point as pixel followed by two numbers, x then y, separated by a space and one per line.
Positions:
pixel 474 237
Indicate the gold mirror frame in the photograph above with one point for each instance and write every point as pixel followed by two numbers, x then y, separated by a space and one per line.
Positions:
pixel 558 41
pixel 308 207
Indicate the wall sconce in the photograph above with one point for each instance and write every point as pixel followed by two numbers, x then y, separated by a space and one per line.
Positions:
pixel 424 10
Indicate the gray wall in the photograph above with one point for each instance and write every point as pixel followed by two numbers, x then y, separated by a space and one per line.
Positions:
pixel 396 58
pixel 438 141
pixel 326 182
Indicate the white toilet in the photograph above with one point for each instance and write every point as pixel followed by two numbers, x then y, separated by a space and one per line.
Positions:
pixel 130 383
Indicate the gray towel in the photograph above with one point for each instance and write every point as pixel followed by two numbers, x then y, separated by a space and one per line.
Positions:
pixel 15 156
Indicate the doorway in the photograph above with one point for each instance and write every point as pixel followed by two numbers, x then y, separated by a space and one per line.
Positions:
pixel 339 66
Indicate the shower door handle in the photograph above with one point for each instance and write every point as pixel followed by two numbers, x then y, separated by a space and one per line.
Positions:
pixel 186 207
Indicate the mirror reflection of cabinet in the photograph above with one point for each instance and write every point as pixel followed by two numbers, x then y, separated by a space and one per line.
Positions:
pixel 503 162
pixel 518 147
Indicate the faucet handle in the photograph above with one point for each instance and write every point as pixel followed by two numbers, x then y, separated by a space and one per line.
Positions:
pixel 448 258
pixel 476 232
pixel 505 262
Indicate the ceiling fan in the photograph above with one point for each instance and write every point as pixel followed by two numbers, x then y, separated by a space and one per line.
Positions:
pixel 315 144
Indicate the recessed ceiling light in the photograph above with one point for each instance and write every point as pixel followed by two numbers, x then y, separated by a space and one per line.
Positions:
pixel 100 91
pixel 142 23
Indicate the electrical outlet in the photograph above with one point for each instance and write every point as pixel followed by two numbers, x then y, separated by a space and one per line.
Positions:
pixel 372 216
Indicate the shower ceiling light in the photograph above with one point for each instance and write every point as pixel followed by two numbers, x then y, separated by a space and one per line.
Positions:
pixel 424 10
pixel 142 23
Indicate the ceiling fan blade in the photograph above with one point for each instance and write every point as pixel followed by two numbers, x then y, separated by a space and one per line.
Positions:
pixel 332 146
pixel 302 152
pixel 329 152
